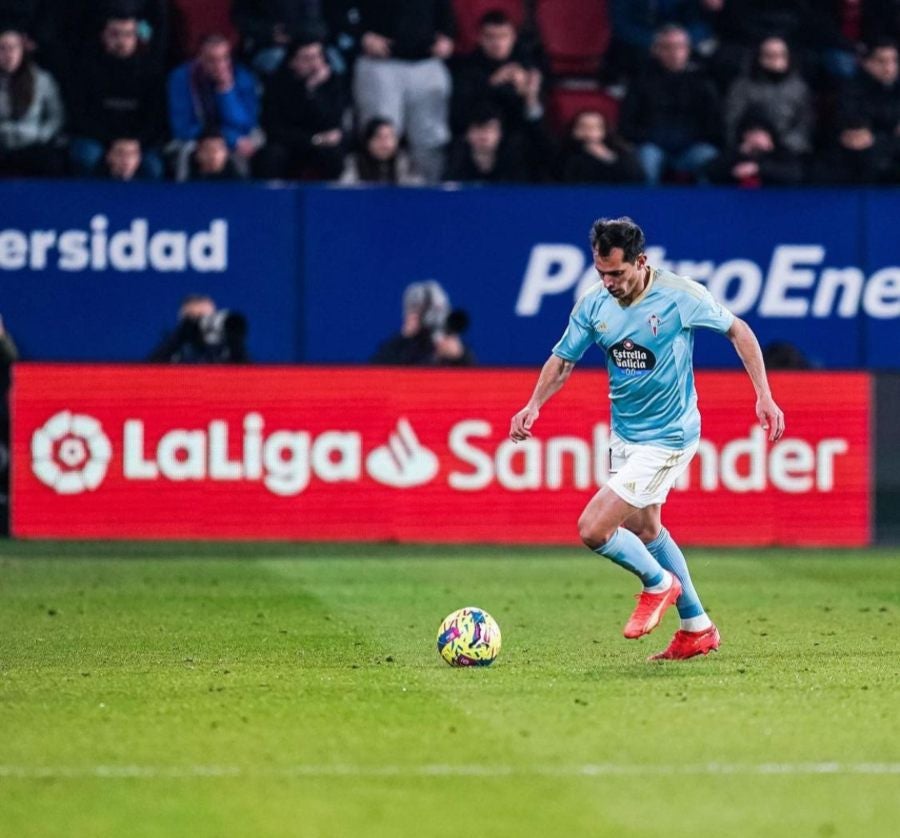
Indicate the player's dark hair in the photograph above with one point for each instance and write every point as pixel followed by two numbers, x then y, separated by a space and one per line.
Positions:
pixel 873 46
pixel 607 233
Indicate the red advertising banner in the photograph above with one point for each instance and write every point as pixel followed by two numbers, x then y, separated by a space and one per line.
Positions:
pixel 410 455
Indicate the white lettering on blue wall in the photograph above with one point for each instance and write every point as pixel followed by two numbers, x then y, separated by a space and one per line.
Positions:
pixel 134 248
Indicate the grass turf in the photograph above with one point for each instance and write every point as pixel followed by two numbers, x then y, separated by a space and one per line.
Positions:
pixel 208 690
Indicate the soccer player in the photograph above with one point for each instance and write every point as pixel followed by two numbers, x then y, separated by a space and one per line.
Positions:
pixel 643 318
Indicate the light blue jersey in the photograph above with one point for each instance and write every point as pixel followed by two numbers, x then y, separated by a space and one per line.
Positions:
pixel 649 349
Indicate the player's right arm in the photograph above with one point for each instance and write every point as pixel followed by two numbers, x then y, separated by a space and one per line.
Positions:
pixel 553 375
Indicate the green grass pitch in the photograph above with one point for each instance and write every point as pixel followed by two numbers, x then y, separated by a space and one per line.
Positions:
pixel 295 690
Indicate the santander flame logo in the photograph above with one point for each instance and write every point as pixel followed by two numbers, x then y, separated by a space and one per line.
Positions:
pixel 404 461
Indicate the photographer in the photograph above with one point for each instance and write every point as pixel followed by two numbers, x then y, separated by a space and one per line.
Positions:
pixel 204 335
pixel 430 333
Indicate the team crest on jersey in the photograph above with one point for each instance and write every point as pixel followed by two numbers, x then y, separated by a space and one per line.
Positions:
pixel 654 322
pixel 631 357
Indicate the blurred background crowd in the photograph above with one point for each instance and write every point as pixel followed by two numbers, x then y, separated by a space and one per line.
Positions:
pixel 745 92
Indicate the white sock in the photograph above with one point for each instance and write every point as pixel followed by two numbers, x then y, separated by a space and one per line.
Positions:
pixel 698 623
pixel 662 586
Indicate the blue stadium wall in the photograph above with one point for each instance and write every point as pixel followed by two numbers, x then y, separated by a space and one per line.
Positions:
pixel 93 271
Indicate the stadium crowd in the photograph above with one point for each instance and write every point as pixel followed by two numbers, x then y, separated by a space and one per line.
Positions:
pixel 745 92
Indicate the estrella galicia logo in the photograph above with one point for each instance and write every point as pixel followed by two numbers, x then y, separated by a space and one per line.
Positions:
pixel 631 357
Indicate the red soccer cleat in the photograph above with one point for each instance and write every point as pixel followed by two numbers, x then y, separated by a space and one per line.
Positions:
pixel 688 644
pixel 650 609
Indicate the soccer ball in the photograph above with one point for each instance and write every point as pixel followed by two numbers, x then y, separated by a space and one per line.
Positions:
pixel 469 637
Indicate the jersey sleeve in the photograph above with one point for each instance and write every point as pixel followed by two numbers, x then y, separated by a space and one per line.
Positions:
pixel 577 337
pixel 706 313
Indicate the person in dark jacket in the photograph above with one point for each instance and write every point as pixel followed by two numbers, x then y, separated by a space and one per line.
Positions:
pixel 380 159
pixel 302 116
pixel 855 157
pixel 118 92
pixel 757 158
pixel 485 155
pixel 592 154
pixel 268 27
pixel 671 112
pixel 873 96
pixel 499 71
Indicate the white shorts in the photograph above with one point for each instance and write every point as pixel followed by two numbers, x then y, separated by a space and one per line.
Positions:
pixel 643 474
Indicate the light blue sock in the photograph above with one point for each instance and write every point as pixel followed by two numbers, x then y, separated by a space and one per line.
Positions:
pixel 669 555
pixel 627 550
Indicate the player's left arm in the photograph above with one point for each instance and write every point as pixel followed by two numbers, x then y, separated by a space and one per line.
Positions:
pixel 746 345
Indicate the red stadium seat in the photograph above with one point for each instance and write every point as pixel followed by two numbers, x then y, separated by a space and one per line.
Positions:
pixel 575 35
pixel 469 12
pixel 563 104
pixel 192 20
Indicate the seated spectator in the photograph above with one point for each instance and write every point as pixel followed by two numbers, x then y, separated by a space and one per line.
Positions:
pixel 756 159
pixel 485 155
pixel 854 157
pixel 117 92
pixel 873 96
pixel 380 158
pixel 209 159
pixel 204 335
pixel 122 160
pixel 400 74
pixel 671 111
pixel 211 93
pixel 636 22
pixel 772 88
pixel 501 71
pixel 31 113
pixel 591 154
pixel 302 115
pixel 268 27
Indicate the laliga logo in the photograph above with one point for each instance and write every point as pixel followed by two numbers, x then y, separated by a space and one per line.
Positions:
pixel 70 453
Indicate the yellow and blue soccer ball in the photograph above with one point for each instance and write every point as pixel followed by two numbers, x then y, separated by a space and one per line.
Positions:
pixel 469 637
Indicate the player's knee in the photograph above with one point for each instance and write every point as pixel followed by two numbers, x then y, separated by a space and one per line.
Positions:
pixel 593 533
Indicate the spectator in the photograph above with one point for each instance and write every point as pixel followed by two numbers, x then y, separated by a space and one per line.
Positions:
pixel 485 155
pixel 854 157
pixel 211 93
pixel 204 335
pixel 380 159
pixel 500 70
pixel 303 111
pixel 401 76
pixel 122 160
pixel 116 93
pixel 425 310
pixel 774 89
pixel 209 160
pixel 757 158
pixel 873 96
pixel 592 154
pixel 671 111
pixel 636 22
pixel 744 24
pixel 268 27
pixel 31 113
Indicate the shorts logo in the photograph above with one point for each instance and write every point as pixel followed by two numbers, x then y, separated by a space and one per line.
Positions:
pixel 631 357
pixel 70 453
